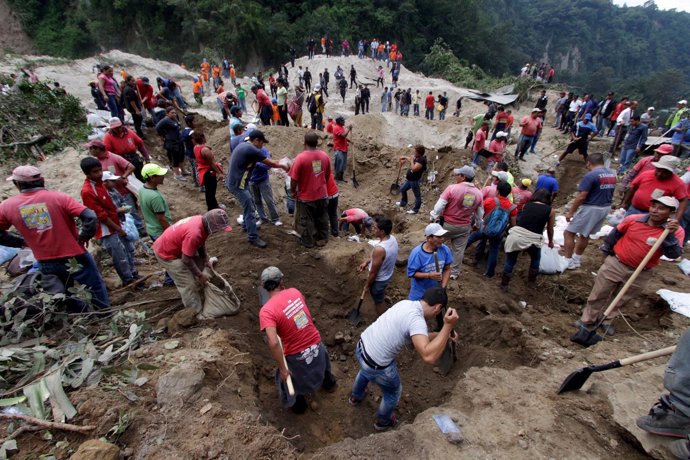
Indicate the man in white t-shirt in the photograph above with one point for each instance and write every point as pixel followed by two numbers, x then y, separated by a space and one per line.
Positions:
pixel 381 343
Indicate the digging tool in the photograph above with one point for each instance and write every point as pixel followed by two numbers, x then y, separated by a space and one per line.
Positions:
pixel 288 382
pixel 395 188
pixel 578 378
pixel 448 357
pixel 354 316
pixel 586 337
pixel 355 184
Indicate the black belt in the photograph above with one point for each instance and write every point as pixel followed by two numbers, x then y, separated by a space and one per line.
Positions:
pixel 367 359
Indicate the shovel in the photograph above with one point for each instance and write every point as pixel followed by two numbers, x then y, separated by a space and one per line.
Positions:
pixel 288 382
pixel 586 337
pixel 355 184
pixel 448 357
pixel 395 188
pixel 578 378
pixel 353 316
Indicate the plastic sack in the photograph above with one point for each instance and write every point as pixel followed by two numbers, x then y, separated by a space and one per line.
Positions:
pixel 684 266
pixel 219 298
pixel 21 263
pixel 616 217
pixel 551 262
pixel 130 228
pixel 7 254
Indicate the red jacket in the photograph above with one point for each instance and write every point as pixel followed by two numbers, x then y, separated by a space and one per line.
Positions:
pixel 429 101
pixel 95 196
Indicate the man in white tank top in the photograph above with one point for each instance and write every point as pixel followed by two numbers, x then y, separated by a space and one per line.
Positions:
pixel 381 263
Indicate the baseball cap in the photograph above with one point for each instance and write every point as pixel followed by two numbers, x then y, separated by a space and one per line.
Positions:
pixel 588 116
pixel 317 87
pixel 107 175
pixel 368 221
pixel 339 118
pixel 669 201
pixel 501 134
pixel 271 274
pixel 683 102
pixel 96 143
pixel 526 182
pixel 115 122
pixel 257 134
pixel 502 175
pixel 434 230
pixel 25 173
pixel 650 108
pixel 217 220
pixel 145 79
pixel 551 169
pixel 664 149
pixel 669 163
pixel 152 169
pixel 536 110
pixel 467 171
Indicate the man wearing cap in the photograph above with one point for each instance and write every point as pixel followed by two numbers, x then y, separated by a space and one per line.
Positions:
pixel 634 142
pixel 154 206
pixel 549 182
pixel 681 137
pixel 244 158
pixel 489 191
pixel 340 142
pixel 285 318
pixel 421 264
pixel 45 220
pixel 522 193
pixel 497 147
pixel 382 342
pixel 146 93
pixel 648 117
pixel 645 164
pixel 122 141
pixel 625 248
pixel 584 132
pixel 181 251
pixel 459 206
pixel 122 168
pixel 589 210
pixel 309 179
pixel 654 184
pixel 316 108
pixel 357 217
pixel 675 117
pixel 531 125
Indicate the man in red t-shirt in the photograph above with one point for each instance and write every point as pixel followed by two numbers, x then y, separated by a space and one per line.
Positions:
pixel 45 220
pixel 531 126
pixel 625 247
pixel 181 251
pixel 122 141
pixel 340 141
pixel 265 106
pixel 308 185
pixel 302 356
pixel 146 94
pixel 479 147
pixel 429 106
pixel 358 218
pixel 654 184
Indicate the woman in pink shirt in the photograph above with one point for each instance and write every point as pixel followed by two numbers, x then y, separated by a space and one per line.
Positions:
pixel 110 91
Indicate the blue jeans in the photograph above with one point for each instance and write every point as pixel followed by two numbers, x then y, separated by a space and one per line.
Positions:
pixel 178 97
pixel 523 144
pixel 243 104
pixel 626 158
pixel 138 221
pixel 534 257
pixel 442 114
pixel 261 191
pixel 387 379
pixel 339 161
pixel 414 185
pixel 429 114
pixel 88 276
pixel 677 375
pixel 533 143
pixel 415 109
pixel 115 110
pixel 122 259
pixel 248 210
pixel 685 223
pixel 494 246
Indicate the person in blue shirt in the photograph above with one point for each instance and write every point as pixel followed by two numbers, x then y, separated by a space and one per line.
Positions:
pixel 260 187
pixel 548 181
pixel 681 137
pixel 421 265
pixel 634 143
pixel 584 132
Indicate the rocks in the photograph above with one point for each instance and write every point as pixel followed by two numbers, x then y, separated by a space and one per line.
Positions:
pixel 523 443
pixel 668 281
pixel 180 384
pixel 503 308
pixel 347 338
pixel 342 357
pixel 339 337
pixel 181 319
pixel 347 347
pixel 95 449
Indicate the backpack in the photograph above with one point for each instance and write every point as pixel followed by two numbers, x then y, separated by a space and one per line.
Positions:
pixel 311 105
pixel 497 221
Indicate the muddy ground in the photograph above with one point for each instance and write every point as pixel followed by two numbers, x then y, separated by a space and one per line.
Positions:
pixel 501 391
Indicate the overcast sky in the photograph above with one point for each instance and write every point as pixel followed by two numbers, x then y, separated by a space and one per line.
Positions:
pixel 680 5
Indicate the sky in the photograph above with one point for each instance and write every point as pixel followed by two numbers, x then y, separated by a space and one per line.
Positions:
pixel 680 5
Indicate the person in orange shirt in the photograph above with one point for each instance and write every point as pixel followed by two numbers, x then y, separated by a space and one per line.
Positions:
pixel 323 45
pixel 215 72
pixel 276 114
pixel 123 74
pixel 198 90
pixel 205 70
pixel 232 75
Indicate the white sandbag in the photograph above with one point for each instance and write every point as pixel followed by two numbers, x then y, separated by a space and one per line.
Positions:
pixel 684 266
pixel 551 262
pixel 134 185
pixel 219 298
pixel 130 228
pixel 603 233
pixel 678 301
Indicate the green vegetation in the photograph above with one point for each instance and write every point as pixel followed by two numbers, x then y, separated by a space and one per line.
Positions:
pixel 593 44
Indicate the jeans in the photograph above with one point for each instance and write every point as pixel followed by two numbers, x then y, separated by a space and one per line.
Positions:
pixel 387 379
pixel 261 191
pixel 88 276
pixel 429 114
pixel 122 259
pixel 457 235
pixel 178 97
pixel 414 185
pixel 442 114
pixel 210 186
pixel 677 376
pixel 494 246
pixel 317 120
pixel 333 214
pixel 243 104
pixel 138 120
pixel 533 143
pixel 247 203
pixel 523 144
pixel 340 162
pixel 384 105
pixel 415 109
pixel 115 109
pixel 685 223
pixel 626 158
pixel 534 258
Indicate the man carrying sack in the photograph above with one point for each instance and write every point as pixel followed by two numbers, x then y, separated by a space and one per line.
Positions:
pixel 626 247
pixel 294 342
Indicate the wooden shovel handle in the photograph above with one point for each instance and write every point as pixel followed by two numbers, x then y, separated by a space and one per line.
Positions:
pixel 649 355
pixel 399 171
pixel 639 269
pixel 288 382
pixel 438 266
pixel 364 293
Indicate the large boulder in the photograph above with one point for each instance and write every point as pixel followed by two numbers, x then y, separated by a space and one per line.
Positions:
pixel 180 384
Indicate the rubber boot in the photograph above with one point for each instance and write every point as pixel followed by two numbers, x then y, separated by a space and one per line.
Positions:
pixel 505 280
pixel 532 276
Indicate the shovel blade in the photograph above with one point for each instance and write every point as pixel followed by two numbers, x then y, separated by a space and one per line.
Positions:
pixel 585 337
pixel 575 380
pixel 354 317
pixel 445 364
pixel 355 182
pixel 395 189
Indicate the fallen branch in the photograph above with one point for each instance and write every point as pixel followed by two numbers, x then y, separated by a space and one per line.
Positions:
pixel 32 141
pixel 45 424
pixel 136 283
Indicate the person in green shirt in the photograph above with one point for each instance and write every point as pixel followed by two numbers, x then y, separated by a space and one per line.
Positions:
pixel 241 95
pixel 153 204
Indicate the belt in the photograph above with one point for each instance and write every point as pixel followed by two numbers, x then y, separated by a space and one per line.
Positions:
pixel 367 359
pixel 628 266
